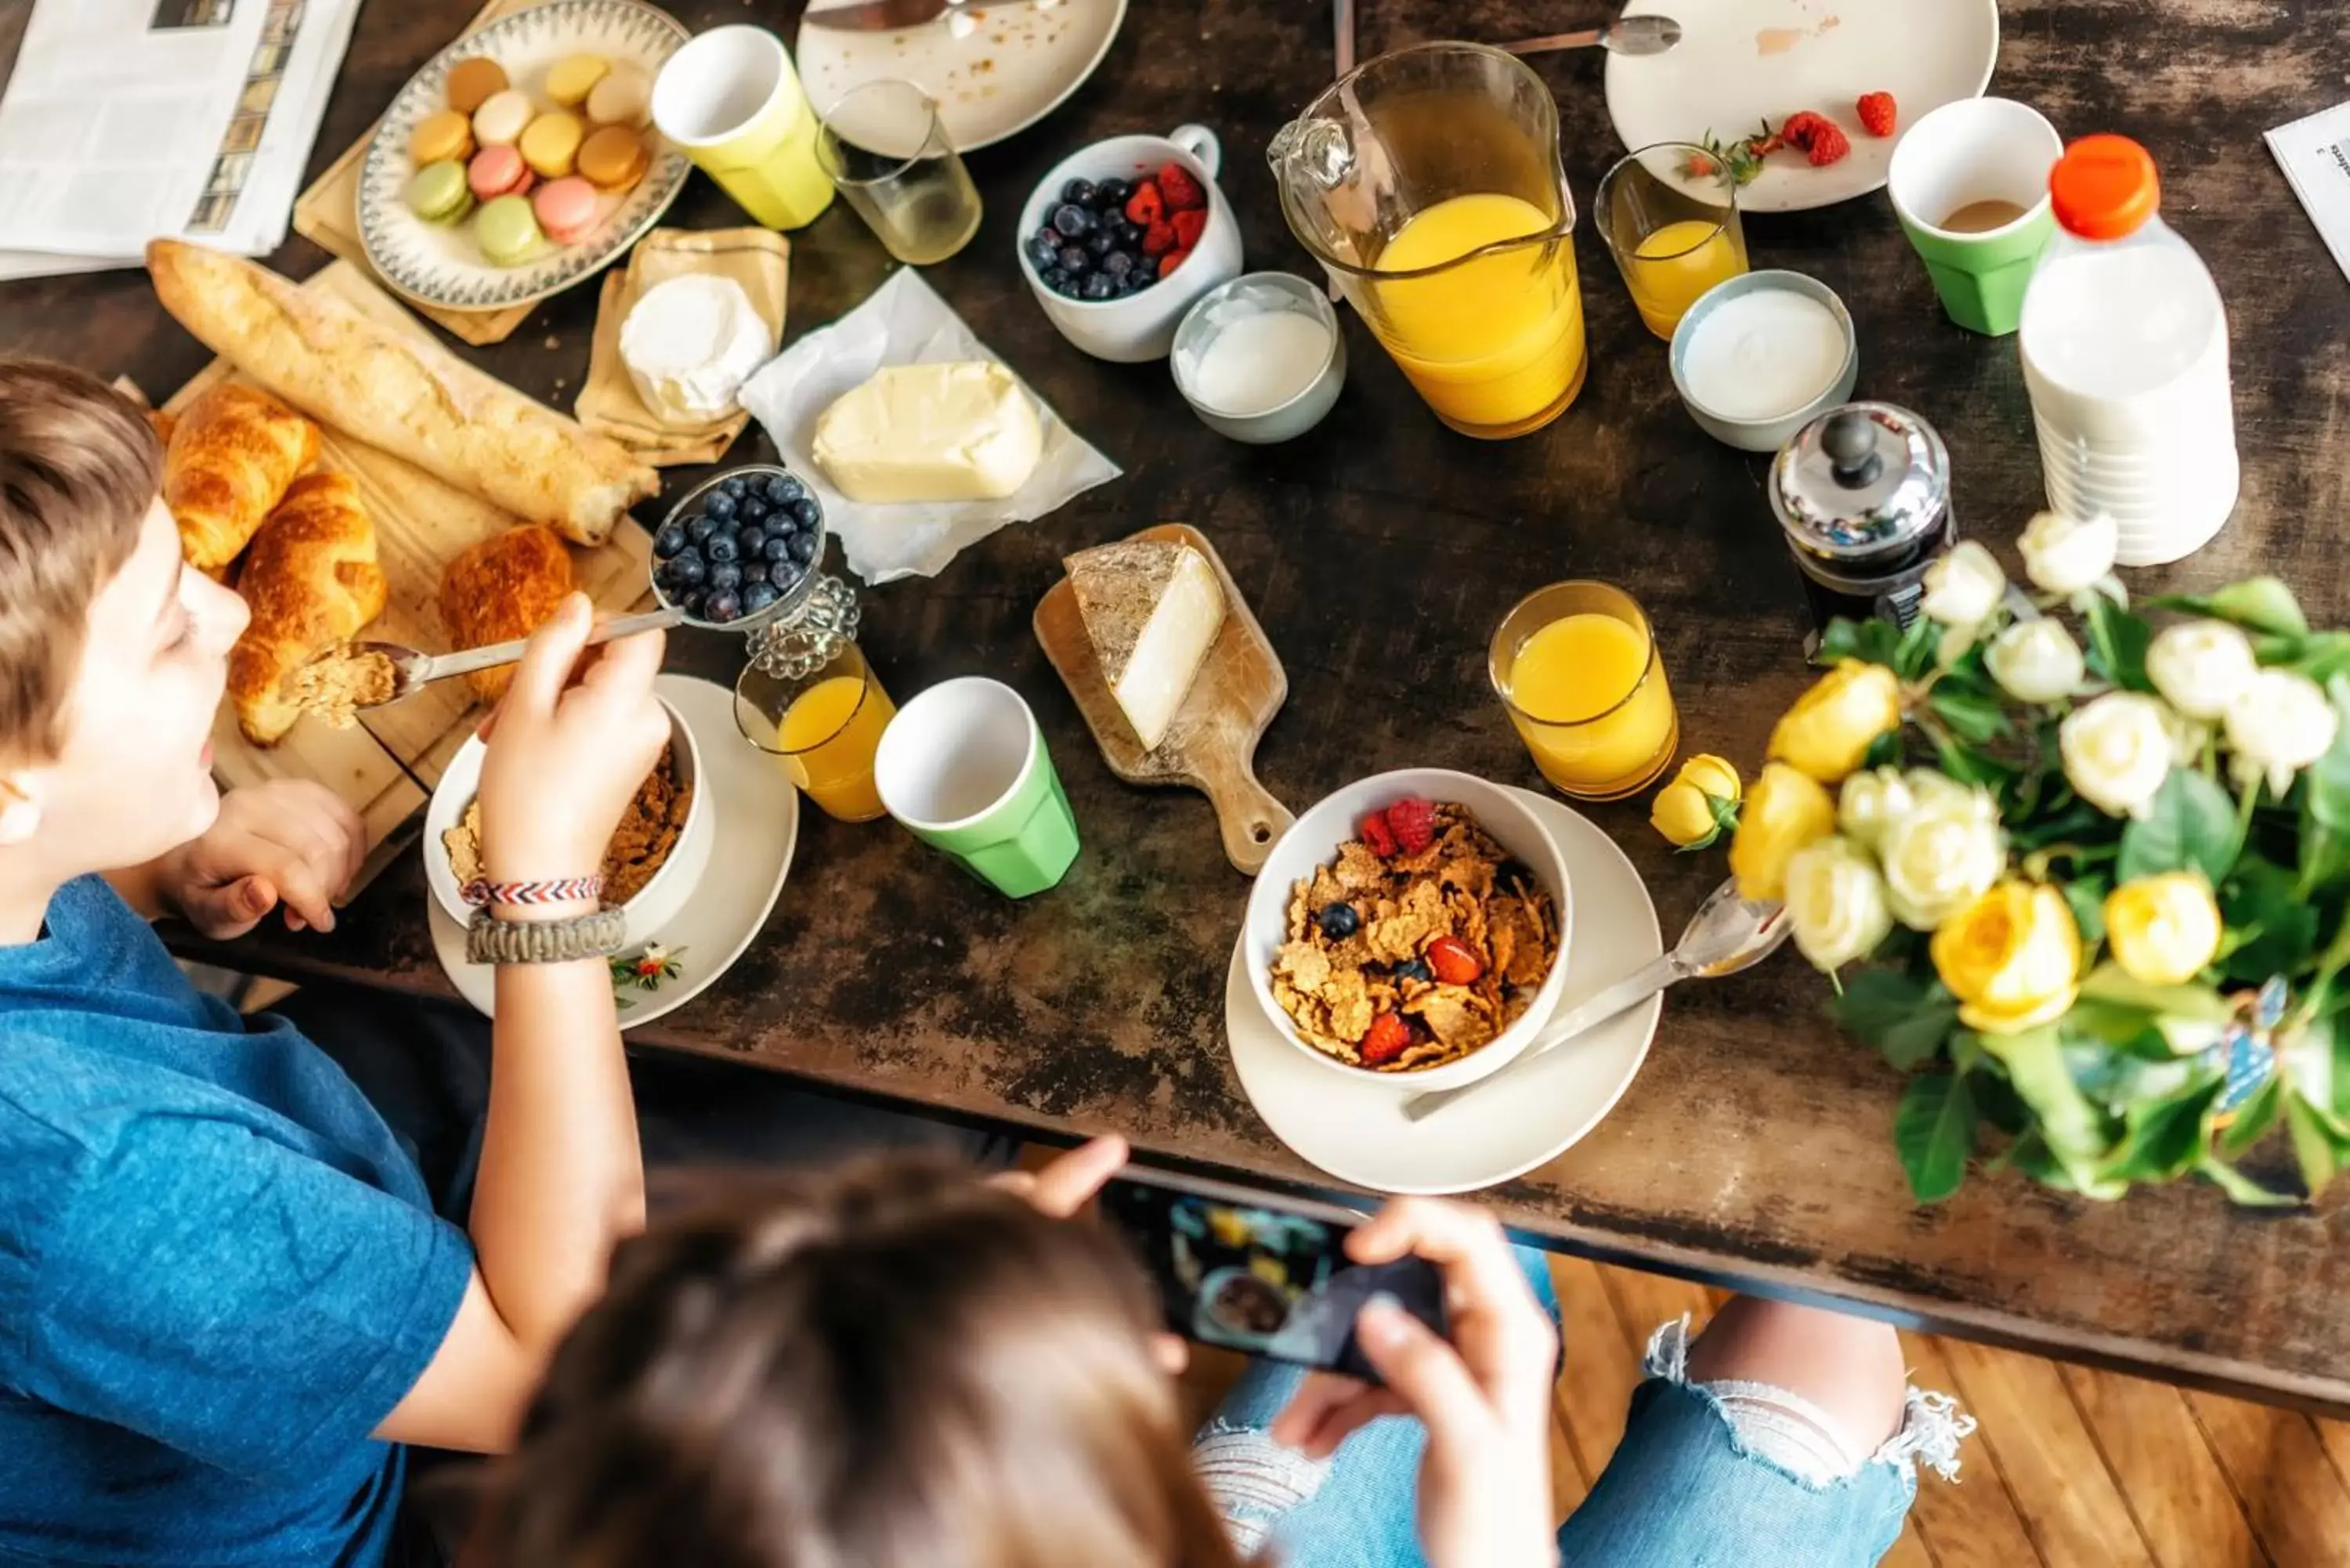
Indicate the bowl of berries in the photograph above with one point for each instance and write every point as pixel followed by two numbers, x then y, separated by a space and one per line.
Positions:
pixel 739 549
pixel 1122 237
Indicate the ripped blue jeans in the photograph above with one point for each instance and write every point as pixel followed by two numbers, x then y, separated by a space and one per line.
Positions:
pixel 1709 1476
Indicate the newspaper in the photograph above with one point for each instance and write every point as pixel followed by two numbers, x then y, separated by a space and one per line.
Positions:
pixel 2314 154
pixel 125 120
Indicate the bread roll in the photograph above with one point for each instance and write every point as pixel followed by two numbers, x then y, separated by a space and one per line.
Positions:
pixel 506 587
pixel 232 455
pixel 407 397
pixel 311 581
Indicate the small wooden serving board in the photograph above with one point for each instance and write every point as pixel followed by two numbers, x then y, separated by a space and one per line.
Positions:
pixel 1211 745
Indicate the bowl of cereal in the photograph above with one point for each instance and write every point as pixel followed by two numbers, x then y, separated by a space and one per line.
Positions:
pixel 656 855
pixel 1413 925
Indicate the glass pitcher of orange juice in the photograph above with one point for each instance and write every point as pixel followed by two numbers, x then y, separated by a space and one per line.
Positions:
pixel 1428 183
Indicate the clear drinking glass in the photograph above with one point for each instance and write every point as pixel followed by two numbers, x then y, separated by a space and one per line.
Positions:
pixel 1577 670
pixel 887 150
pixel 1674 234
pixel 825 726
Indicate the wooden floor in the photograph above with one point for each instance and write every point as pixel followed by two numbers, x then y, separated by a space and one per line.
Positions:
pixel 2070 1468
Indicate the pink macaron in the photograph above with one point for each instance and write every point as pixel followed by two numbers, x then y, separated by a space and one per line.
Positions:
pixel 565 209
pixel 498 171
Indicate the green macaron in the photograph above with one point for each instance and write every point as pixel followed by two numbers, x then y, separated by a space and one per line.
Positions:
pixel 508 230
pixel 438 194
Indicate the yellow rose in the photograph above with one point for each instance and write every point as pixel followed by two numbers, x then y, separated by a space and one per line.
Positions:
pixel 1831 726
pixel 1785 811
pixel 2013 958
pixel 2163 929
pixel 1684 809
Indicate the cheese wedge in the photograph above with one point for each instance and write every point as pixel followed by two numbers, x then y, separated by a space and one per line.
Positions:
pixel 1152 610
pixel 964 431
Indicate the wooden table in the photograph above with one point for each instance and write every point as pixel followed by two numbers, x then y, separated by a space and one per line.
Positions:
pixel 1755 1148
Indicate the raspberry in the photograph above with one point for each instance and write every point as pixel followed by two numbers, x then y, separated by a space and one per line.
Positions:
pixel 1374 831
pixel 1171 260
pixel 1389 1038
pixel 1146 206
pixel 1180 190
pixel 1157 240
pixel 1413 821
pixel 1878 113
pixel 1828 145
pixel 1188 227
pixel 1798 129
pixel 1453 962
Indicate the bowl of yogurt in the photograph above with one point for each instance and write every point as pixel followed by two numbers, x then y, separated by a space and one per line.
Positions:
pixel 1260 358
pixel 1759 356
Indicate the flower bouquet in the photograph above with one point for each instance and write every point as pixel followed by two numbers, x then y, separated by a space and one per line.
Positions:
pixel 2097 901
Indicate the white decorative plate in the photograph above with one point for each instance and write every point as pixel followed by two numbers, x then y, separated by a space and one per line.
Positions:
pixel 995 71
pixel 1743 61
pixel 439 264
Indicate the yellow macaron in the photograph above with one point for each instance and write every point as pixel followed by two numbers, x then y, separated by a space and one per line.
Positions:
pixel 574 78
pixel 440 137
pixel 550 144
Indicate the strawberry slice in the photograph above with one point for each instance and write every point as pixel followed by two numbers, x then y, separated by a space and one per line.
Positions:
pixel 1389 1038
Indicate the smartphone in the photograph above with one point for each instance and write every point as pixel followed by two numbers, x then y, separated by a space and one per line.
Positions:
pixel 1267 1278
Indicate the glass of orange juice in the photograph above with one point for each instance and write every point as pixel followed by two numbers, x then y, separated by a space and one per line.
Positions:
pixel 1578 670
pixel 825 725
pixel 1669 215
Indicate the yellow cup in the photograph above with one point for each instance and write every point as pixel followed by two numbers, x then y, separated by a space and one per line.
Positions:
pixel 731 103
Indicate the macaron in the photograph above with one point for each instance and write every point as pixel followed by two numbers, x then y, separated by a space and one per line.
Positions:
pixel 438 193
pixel 622 98
pixel 574 78
pixel 498 171
pixel 447 135
pixel 565 209
pixel 614 157
pixel 550 145
pixel 506 232
pixel 473 82
pixel 499 122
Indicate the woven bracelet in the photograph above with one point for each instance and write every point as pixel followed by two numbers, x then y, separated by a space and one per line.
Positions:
pixel 481 894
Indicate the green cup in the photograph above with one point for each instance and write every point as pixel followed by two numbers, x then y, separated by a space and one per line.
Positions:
pixel 964 769
pixel 1970 182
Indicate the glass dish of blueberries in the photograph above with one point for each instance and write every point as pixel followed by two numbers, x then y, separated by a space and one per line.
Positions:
pixel 740 548
pixel 1108 238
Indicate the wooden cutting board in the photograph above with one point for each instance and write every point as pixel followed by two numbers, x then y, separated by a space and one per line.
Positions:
pixel 386 767
pixel 1211 744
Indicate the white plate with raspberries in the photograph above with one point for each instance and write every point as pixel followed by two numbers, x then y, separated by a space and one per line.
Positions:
pixel 1867 68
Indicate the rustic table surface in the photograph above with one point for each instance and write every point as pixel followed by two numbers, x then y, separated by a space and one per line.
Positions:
pixel 1755 1148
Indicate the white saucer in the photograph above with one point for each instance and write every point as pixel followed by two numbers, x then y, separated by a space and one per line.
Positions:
pixel 993 73
pixel 1355 1131
pixel 758 826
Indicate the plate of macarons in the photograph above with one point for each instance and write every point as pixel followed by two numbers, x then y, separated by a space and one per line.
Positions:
pixel 522 159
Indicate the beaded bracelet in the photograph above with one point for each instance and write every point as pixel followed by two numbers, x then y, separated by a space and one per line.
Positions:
pixel 480 893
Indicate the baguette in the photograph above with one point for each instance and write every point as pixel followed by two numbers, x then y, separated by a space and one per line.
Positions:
pixel 409 397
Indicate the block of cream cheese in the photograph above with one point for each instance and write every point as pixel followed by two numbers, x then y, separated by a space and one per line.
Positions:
pixel 964 431
pixel 1152 610
pixel 689 344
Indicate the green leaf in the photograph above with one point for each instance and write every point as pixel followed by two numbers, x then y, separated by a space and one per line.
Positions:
pixel 1971 715
pixel 1872 642
pixel 1903 1016
pixel 2030 1155
pixel 2320 1145
pixel 2253 1118
pixel 2163 1139
pixel 1934 1130
pixel 2086 896
pixel 1884 752
pixel 2260 604
pixel 2190 826
pixel 2194 1003
pixel 2262 904
pixel 1969 766
pixel 2072 1127
pixel 1914 656
pixel 2117 645
pixel 2325 803
pixel 2242 1188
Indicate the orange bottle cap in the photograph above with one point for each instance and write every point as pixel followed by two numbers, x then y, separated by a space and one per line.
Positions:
pixel 2105 188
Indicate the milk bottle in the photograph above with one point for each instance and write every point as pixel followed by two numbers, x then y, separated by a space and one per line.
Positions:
pixel 2125 346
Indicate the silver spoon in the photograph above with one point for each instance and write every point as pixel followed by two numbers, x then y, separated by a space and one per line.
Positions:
pixel 1728 933
pixel 1625 36
pixel 413 670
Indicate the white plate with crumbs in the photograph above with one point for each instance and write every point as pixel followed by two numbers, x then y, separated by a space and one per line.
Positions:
pixel 995 71
pixel 1743 61
pixel 758 827
pixel 1357 1130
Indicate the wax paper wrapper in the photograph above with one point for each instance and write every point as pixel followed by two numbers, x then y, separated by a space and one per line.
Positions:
pixel 904 322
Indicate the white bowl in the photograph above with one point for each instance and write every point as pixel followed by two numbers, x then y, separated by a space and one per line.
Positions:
pixel 1313 840
pixel 656 903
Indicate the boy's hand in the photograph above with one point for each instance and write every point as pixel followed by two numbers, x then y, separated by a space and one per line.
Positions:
pixel 289 842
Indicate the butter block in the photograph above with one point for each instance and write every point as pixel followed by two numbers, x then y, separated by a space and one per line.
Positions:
pixel 961 431
pixel 688 345
pixel 1152 610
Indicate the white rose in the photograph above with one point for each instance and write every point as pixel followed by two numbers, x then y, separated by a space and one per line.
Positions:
pixel 2116 751
pixel 1872 801
pixel 2279 724
pixel 2199 665
pixel 1964 586
pixel 2036 661
pixel 1944 855
pixel 1927 787
pixel 2064 555
pixel 1835 902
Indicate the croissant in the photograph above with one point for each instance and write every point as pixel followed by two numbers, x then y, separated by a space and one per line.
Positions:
pixel 233 453
pixel 311 580
pixel 508 585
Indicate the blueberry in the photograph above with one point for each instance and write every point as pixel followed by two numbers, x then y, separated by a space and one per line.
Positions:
pixel 787 575
pixel 1075 261
pixel 1074 221
pixel 803 549
pixel 807 512
pixel 701 528
pixel 1129 235
pixel 691 602
pixel 1100 242
pixel 754 572
pixel 751 540
pixel 719 505
pixel 1097 285
pixel 774 490
pixel 737 486
pixel 1081 192
pixel 778 548
pixel 1338 921
pixel 785 490
pixel 754 509
pixel 1112 193
pixel 722 606
pixel 1118 263
pixel 1042 254
pixel 723 549
pixel 688 570
pixel 1054 278
pixel 670 540
pixel 1136 281
pixel 725 577
pixel 1413 969
pixel 758 596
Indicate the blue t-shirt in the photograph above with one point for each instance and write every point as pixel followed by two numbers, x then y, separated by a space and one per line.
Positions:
pixel 219 1270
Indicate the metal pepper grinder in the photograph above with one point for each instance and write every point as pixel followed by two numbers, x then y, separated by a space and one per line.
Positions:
pixel 1864 494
